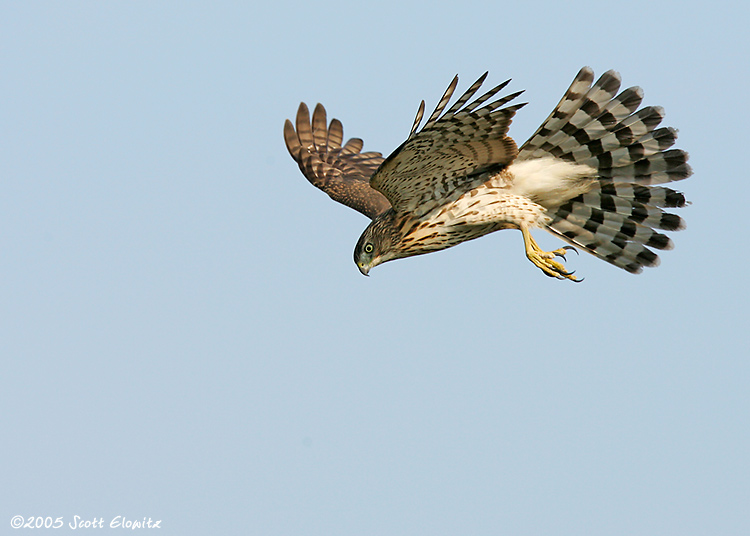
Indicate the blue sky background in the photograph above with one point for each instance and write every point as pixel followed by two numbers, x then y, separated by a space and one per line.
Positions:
pixel 184 335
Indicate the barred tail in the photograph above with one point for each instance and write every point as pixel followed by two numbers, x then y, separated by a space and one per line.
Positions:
pixel 618 219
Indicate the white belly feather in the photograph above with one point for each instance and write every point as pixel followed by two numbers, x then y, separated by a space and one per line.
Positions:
pixel 523 192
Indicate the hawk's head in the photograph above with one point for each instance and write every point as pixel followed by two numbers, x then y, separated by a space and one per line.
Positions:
pixel 375 246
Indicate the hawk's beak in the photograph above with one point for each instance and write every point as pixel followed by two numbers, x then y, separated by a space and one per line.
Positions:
pixel 363 269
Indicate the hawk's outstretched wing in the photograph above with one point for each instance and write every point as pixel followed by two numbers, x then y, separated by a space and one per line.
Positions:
pixel 343 172
pixel 447 157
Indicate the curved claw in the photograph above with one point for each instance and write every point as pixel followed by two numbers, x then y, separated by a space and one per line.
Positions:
pixel 569 275
pixel 543 259
pixel 561 252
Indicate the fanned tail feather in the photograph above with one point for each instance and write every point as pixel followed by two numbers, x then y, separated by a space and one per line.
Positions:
pixel 616 219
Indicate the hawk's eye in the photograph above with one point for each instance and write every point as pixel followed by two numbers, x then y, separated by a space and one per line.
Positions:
pixel 368 248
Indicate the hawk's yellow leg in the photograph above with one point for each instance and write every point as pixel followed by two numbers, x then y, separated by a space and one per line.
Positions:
pixel 544 260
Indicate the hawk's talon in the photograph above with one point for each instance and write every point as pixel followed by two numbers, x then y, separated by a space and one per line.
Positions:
pixel 561 252
pixel 544 259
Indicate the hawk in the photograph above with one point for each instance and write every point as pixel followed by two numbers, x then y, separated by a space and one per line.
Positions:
pixel 592 175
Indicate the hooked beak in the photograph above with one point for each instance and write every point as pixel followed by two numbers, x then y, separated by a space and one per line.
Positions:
pixel 363 269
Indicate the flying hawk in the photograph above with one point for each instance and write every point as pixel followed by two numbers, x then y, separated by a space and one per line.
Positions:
pixel 590 175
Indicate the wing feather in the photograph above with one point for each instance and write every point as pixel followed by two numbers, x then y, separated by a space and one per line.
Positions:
pixel 418 119
pixel 341 172
pixel 443 102
pixel 450 154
